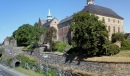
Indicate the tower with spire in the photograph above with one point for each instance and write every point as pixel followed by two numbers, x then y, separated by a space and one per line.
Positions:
pixel 90 1
pixel 49 17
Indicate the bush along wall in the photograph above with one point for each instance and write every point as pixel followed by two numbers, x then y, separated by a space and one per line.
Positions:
pixel 125 45
pixel 9 61
pixel 26 62
pixel 60 46
pixel 112 49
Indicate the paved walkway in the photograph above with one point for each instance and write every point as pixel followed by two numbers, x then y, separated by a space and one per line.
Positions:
pixel 11 71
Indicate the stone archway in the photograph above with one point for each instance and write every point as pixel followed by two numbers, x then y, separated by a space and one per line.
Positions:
pixel 0 55
pixel 17 64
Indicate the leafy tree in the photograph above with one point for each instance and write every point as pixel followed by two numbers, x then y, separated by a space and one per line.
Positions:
pixel 37 32
pixel 60 46
pixel 50 35
pixel 23 35
pixel 89 34
pixel 112 49
pixel 28 34
pixel 36 24
pixel 117 37
pixel 125 44
pixel 11 38
pixel 127 36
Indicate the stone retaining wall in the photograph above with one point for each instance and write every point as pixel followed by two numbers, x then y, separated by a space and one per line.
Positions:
pixel 117 69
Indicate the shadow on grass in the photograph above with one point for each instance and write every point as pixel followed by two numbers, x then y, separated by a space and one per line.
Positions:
pixel 74 54
pixel 70 58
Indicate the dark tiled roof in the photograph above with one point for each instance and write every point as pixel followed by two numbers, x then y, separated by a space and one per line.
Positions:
pixel 48 22
pixel 66 19
pixel 101 11
pixel 91 8
pixel 42 21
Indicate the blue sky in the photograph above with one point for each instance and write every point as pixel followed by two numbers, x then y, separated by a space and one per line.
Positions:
pixel 14 13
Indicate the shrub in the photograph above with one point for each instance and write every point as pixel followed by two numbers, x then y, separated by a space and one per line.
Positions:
pixel 117 37
pixel 9 62
pixel 52 72
pixel 38 69
pixel 125 45
pixel 39 43
pixel 60 46
pixel 25 59
pixel 112 49
pixel 29 47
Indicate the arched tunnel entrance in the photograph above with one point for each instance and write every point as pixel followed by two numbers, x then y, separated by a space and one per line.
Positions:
pixel 17 64
pixel 0 55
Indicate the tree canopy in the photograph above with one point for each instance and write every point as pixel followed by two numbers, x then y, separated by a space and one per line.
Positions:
pixel 89 33
pixel 50 35
pixel 119 36
pixel 27 34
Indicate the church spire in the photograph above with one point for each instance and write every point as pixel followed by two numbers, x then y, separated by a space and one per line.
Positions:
pixel 49 17
pixel 90 1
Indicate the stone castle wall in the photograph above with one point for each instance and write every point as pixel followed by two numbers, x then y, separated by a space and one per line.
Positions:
pixel 117 69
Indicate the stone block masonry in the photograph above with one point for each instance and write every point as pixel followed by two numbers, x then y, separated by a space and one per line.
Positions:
pixel 117 69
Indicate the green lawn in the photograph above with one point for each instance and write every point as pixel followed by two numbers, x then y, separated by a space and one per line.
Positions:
pixel 125 53
pixel 123 56
pixel 27 72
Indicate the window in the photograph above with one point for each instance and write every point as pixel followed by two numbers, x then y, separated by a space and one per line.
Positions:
pixel 109 29
pixel 108 19
pixel 118 21
pixel 113 20
pixel 114 29
pixel 118 29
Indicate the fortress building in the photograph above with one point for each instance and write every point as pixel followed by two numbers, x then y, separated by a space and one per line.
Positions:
pixel 113 21
pixel 49 22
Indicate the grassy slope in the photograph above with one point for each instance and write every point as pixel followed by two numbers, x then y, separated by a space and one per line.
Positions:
pixel 27 72
pixel 125 53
